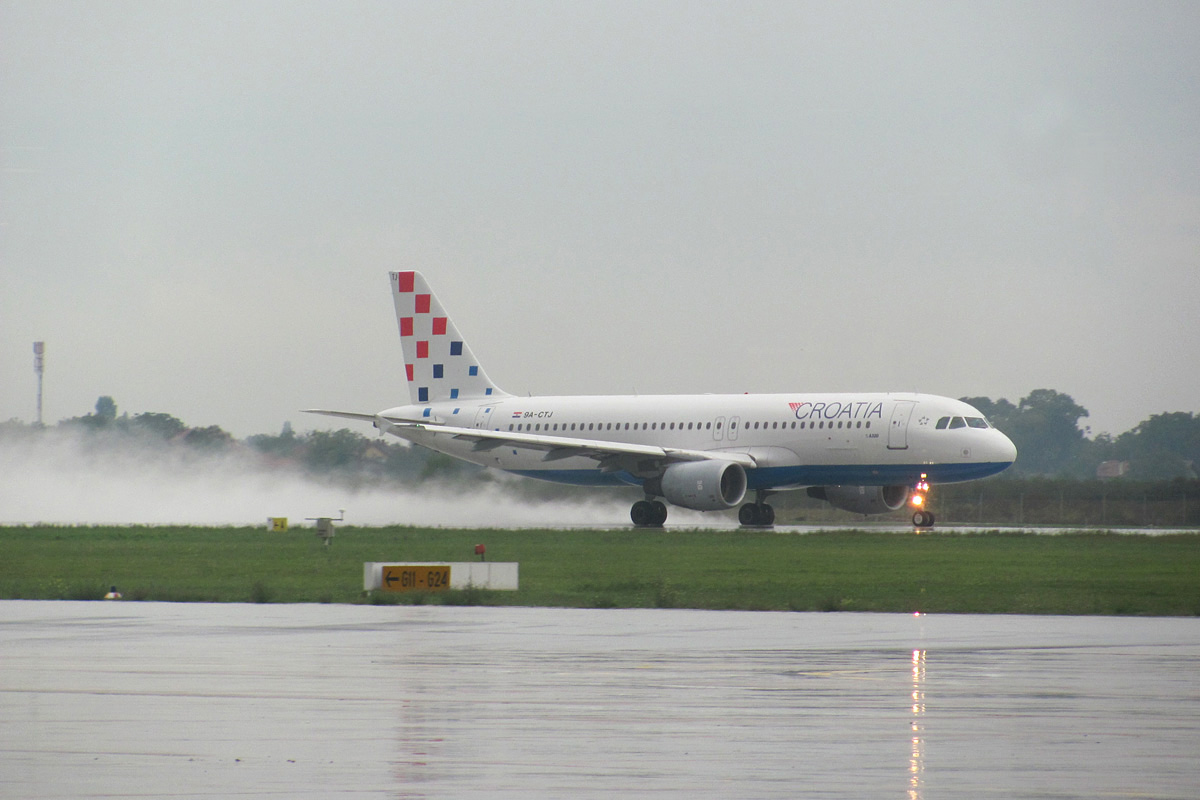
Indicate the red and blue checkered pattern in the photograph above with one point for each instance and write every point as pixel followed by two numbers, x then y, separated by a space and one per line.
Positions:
pixel 437 361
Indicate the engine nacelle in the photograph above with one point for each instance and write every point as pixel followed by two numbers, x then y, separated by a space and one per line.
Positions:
pixel 863 499
pixel 703 485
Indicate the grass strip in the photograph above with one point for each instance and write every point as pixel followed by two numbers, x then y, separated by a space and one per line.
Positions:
pixel 993 573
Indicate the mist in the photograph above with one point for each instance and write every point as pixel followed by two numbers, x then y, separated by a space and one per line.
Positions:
pixel 65 477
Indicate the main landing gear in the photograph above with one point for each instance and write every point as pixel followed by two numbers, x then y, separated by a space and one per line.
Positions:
pixel 648 513
pixel 757 514
pixel 653 513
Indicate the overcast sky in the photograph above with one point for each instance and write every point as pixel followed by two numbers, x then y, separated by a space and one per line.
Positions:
pixel 200 201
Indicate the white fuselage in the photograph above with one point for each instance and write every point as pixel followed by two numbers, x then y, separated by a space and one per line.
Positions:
pixel 868 439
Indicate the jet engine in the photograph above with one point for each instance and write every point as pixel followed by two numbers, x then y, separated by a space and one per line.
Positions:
pixel 702 485
pixel 862 499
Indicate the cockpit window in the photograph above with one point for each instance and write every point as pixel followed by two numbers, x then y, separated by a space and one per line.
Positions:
pixel 961 422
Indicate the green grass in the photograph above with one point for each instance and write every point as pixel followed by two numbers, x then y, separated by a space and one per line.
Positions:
pixel 1078 573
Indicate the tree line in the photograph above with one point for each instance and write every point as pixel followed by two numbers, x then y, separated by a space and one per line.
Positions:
pixel 342 456
pixel 1045 427
pixel 1054 480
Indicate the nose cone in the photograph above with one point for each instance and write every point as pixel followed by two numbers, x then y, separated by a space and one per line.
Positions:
pixel 1004 450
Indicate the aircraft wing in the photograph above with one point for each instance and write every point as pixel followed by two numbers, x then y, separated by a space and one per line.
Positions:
pixel 612 456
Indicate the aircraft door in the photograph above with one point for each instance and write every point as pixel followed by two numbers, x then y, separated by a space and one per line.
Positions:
pixel 719 428
pixel 484 417
pixel 898 430
pixel 733 427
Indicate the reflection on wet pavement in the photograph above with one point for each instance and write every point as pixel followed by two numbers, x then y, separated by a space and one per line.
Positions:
pixel 175 700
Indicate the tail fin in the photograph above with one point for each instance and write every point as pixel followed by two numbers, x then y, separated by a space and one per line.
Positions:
pixel 439 364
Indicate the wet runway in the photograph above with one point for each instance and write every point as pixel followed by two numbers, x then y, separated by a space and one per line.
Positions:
pixel 192 700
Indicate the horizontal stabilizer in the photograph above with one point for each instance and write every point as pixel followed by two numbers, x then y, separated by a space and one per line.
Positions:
pixel 378 420
pixel 342 414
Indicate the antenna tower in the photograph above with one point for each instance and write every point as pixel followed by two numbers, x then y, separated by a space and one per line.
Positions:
pixel 39 366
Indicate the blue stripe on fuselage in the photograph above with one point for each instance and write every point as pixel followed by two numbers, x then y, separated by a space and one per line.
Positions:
pixel 772 477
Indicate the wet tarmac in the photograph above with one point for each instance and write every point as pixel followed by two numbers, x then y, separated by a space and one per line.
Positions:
pixel 197 701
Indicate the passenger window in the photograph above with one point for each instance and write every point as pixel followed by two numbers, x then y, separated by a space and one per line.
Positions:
pixel 957 422
pixel 942 423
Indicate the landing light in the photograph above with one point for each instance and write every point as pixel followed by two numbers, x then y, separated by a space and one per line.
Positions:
pixel 919 492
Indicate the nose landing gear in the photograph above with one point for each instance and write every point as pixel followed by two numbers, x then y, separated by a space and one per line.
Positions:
pixel 921 518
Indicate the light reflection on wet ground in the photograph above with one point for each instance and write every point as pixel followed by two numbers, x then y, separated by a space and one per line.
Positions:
pixel 162 700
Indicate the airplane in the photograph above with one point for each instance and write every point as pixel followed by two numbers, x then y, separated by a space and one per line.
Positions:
pixel 866 453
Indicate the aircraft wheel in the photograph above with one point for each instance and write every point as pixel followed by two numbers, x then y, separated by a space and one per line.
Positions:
pixel 756 515
pixel 922 519
pixel 648 513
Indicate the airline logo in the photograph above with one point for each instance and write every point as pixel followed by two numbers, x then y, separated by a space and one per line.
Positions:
pixel 436 360
pixel 862 409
